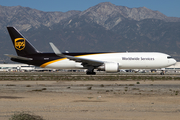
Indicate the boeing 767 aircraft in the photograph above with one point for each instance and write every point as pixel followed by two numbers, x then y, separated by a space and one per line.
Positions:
pixel 106 61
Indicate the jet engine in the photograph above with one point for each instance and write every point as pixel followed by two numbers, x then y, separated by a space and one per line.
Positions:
pixel 110 67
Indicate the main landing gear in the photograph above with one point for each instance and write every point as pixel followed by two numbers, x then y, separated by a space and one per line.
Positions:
pixel 90 71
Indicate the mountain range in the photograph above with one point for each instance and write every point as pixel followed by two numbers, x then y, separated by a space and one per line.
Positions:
pixel 104 27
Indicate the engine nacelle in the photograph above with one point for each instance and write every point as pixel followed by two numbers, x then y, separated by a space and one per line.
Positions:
pixel 110 67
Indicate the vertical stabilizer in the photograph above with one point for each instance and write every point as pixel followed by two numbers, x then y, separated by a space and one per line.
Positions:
pixel 22 46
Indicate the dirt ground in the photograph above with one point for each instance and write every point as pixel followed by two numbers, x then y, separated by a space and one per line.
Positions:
pixel 92 100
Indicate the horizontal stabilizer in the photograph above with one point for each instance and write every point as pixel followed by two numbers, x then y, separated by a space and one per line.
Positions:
pixel 18 57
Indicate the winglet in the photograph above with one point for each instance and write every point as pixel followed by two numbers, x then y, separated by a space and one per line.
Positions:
pixel 56 50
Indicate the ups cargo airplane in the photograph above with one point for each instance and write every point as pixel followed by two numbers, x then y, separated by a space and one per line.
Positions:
pixel 106 61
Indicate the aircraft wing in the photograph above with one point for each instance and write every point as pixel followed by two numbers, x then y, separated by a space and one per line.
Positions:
pixel 18 57
pixel 85 62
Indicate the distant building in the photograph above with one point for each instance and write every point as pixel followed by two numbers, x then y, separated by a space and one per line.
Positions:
pixel 16 67
pixel 174 67
pixel 20 68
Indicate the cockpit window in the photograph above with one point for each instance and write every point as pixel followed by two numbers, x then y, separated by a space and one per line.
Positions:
pixel 168 57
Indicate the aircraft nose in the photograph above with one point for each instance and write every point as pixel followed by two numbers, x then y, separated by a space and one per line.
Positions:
pixel 173 61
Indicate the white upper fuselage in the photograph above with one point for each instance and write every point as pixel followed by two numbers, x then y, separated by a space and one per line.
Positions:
pixel 128 60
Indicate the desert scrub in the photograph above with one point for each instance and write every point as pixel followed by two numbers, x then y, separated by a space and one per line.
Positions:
pixel 137 82
pixel 25 116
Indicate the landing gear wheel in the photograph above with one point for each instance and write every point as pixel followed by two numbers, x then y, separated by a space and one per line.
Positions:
pixel 91 73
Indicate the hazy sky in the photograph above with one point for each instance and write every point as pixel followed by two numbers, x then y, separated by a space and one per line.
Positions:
pixel 170 8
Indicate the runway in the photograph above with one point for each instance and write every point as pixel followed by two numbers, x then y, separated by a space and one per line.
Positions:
pixel 78 76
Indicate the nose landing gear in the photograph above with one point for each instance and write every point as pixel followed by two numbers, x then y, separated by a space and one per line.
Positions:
pixel 162 72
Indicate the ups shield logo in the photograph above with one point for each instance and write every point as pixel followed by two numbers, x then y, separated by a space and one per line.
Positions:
pixel 19 43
